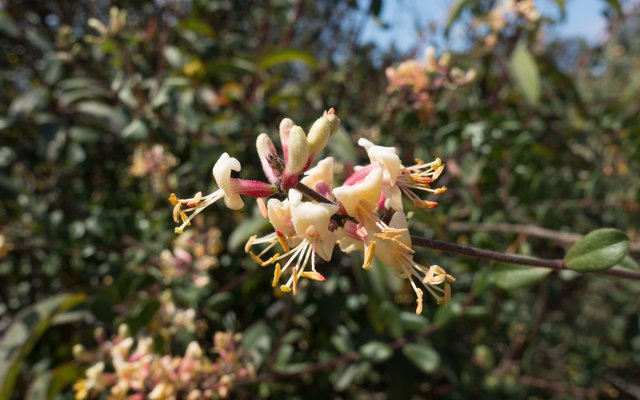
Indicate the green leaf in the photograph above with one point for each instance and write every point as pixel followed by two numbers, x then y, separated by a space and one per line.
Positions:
pixel 282 56
pixel 7 26
pixel 136 130
pixel 524 73
pixel 376 351
pixel 24 332
pixel 511 277
pixel 423 356
pixel 454 13
pixel 628 263
pixel 598 250
pixel 27 102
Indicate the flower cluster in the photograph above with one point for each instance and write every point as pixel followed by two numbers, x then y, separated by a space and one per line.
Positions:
pixel 504 14
pixel 127 372
pixel 417 82
pixel 363 214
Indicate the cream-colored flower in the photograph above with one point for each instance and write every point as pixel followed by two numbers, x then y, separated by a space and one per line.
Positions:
pixel 320 177
pixel 222 174
pixel 386 157
pixel 360 199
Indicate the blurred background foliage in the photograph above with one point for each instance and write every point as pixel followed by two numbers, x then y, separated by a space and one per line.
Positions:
pixel 100 121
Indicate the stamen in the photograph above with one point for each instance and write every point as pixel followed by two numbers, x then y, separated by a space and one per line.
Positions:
pixel 283 241
pixel 271 260
pixel 295 280
pixel 276 275
pixel 369 252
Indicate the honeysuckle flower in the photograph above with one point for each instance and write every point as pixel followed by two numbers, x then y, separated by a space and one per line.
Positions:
pixel 230 190
pixel 394 251
pixel 359 197
pixel 311 226
pixel 399 179
pixel 267 154
pixel 320 177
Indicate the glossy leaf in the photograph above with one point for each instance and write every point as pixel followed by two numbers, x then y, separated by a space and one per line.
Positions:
pixel 598 250
pixel 283 56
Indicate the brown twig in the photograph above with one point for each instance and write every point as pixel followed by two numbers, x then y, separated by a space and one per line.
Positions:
pixel 474 252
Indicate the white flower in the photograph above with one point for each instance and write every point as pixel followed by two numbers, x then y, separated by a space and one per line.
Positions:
pixel 222 174
pixel 311 221
pixel 386 157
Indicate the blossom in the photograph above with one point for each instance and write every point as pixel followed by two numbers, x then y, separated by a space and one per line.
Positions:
pixel 311 233
pixel 230 190
pixel 394 251
pixel 320 177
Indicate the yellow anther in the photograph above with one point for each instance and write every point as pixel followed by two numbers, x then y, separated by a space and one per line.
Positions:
pixel 438 172
pixel 369 252
pixel 173 199
pixel 316 276
pixel 178 231
pixel 176 213
pixel 271 260
pixel 285 288
pixel 255 258
pixel 419 293
pixel 283 241
pixel 276 275
pixel 247 246
pixel 184 218
pixel 440 190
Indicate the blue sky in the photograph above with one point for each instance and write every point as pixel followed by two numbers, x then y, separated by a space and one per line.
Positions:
pixel 584 19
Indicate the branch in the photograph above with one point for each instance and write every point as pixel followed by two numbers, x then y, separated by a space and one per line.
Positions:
pixel 529 230
pixel 557 264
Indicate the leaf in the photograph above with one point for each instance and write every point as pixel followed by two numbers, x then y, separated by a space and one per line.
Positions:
pixel 511 277
pixel 524 73
pixel 628 263
pixel 454 13
pixel 7 26
pixel 376 351
pixel 136 130
pixel 283 56
pixel 23 333
pixel 598 250
pixel 423 356
pixel 27 102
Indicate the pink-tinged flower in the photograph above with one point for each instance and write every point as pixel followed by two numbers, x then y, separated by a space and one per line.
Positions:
pixel 230 190
pixel 398 179
pixel 320 177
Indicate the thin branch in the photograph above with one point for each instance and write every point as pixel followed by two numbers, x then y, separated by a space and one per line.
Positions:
pixel 312 194
pixel 529 230
pixel 474 252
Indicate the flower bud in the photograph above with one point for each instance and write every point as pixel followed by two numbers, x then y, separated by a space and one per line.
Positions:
pixel 268 157
pixel 298 151
pixel 285 126
pixel 321 131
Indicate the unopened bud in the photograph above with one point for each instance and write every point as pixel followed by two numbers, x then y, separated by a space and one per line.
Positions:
pixel 99 334
pixel 321 131
pixel 285 126
pixel 268 157
pixel 298 151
